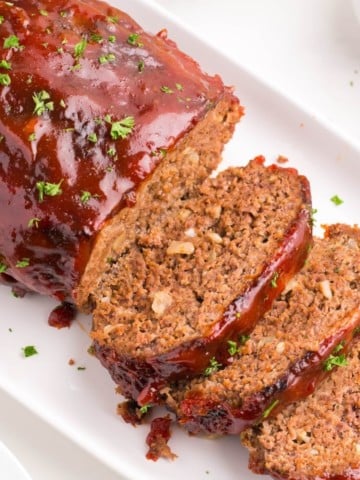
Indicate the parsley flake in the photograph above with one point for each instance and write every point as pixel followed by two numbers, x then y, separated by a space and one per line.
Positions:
pixel 85 196
pixel 96 37
pixel 92 137
pixel 3 267
pixel 32 137
pixel 34 222
pixel 106 58
pixel 243 339
pixel 111 152
pixel 1 19
pixel 335 361
pixel 11 42
pixel 141 65
pixel 81 368
pixel 44 13
pixel 112 19
pixel 25 262
pixel 50 189
pixel 270 408
pixel 5 64
pixel 133 39
pixel 336 200
pixel 145 408
pixel 274 280
pixel 122 128
pixel 179 87
pixel 41 105
pixel 29 351
pixel 213 367
pixel 5 79
pixel 166 89
pixel 79 48
pixel 233 348
pixel 112 38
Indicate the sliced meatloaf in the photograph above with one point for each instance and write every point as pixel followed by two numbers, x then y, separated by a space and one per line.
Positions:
pixel 317 438
pixel 196 272
pixel 310 326
pixel 97 118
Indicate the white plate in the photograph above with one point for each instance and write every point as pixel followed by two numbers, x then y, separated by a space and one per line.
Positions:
pixel 82 403
pixel 10 467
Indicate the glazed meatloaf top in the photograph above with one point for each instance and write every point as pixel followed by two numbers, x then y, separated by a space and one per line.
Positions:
pixel 199 272
pixel 90 104
pixel 290 350
pixel 317 438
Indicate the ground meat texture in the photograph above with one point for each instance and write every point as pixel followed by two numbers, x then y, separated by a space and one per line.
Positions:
pixel 290 350
pixel 197 271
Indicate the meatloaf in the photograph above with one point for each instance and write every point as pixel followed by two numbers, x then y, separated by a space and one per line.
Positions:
pixel 317 438
pixel 197 272
pixel 290 350
pixel 98 119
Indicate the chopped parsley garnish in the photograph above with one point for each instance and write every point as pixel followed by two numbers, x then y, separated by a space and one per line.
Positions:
pixel 270 408
pixel 339 347
pixel 3 267
pixel 85 196
pixel 213 367
pixel 274 280
pixel 314 211
pixel 96 37
pixel 335 361
pixel 44 13
pixel 233 348
pixel 32 137
pixel 145 408
pixel 106 58
pixel 179 86
pixel 92 137
pixel 29 351
pixel 111 152
pixel 41 103
pixel 11 42
pixel 243 339
pixel 81 368
pixel 133 39
pixel 112 38
pixel 336 200
pixel 141 65
pixel 50 189
pixel 25 262
pixel 5 64
pixel 62 103
pixel 166 89
pixel 79 48
pixel 112 19
pixel 63 14
pixel 1 19
pixel 122 128
pixel 33 222
pixel 5 79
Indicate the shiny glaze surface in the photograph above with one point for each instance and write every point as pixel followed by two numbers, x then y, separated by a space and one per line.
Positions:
pixel 96 67
pixel 200 414
pixel 142 379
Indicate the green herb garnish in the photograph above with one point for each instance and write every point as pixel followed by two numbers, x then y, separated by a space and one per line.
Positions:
pixel 11 42
pixel 92 137
pixel 33 222
pixel 133 39
pixel 5 79
pixel 85 196
pixel 336 200
pixel 43 13
pixel 50 189
pixel 32 137
pixel 141 65
pixel 111 152
pixel 5 64
pixel 233 348
pixel 112 19
pixel 112 38
pixel 243 339
pixel 335 361
pixel 213 367
pixel 179 87
pixel 25 262
pixel 145 408
pixel 81 368
pixel 41 103
pixel 270 408
pixel 1 19
pixel 96 37
pixel 106 58
pixel 166 89
pixel 29 351
pixel 79 48
pixel 3 267
pixel 122 128
pixel 274 280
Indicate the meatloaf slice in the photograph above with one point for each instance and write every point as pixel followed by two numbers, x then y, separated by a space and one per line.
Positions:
pixel 317 438
pixel 197 272
pixel 290 350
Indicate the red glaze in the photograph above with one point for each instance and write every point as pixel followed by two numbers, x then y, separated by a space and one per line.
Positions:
pixel 62 315
pixel 157 439
pixel 83 89
pixel 201 414
pixel 141 379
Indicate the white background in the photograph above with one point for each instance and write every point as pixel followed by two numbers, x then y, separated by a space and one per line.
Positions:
pixel 308 49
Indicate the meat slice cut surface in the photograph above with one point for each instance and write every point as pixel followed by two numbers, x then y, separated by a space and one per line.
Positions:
pixel 306 333
pixel 198 272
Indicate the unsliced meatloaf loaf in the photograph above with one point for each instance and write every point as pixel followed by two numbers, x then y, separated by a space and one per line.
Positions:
pixel 290 350
pixel 198 272
pixel 318 438
pixel 97 118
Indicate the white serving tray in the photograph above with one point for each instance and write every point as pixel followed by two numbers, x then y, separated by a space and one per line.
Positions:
pixel 82 403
